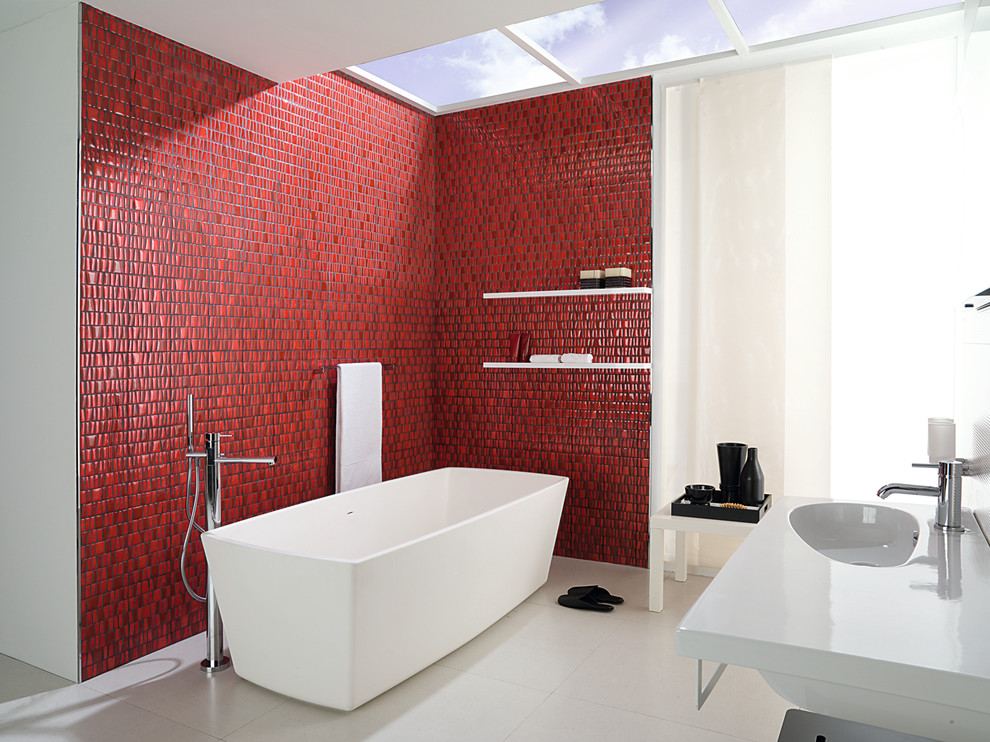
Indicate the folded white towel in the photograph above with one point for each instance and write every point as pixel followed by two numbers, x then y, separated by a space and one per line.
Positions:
pixel 544 359
pixel 359 425
pixel 576 358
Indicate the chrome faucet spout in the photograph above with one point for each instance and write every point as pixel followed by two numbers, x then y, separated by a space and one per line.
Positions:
pixel 906 489
pixel 249 460
pixel 948 510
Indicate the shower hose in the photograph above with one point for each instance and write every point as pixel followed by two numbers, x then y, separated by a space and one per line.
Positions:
pixel 191 515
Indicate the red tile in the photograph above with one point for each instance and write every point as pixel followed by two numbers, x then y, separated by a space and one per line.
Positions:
pixel 214 264
pixel 237 236
pixel 530 194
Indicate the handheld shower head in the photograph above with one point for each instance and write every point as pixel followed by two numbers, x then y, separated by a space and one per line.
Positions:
pixel 189 422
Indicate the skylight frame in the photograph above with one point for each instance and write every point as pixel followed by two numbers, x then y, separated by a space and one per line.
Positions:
pixel 865 27
pixel 950 6
pixel 615 35
pixel 540 54
pixel 941 22
pixel 484 64
pixel 730 27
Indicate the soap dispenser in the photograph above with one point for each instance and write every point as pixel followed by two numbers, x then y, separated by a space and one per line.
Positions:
pixel 751 481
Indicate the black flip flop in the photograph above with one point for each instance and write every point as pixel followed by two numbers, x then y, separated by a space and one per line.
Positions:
pixel 595 593
pixel 584 602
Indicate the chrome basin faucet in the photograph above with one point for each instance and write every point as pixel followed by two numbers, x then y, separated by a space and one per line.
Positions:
pixel 948 511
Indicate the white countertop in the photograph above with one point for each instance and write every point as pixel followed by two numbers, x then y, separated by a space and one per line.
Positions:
pixel 920 630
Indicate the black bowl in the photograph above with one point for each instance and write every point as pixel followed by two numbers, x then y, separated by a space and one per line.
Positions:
pixel 699 493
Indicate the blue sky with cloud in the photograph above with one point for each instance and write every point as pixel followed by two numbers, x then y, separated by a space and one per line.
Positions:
pixel 613 36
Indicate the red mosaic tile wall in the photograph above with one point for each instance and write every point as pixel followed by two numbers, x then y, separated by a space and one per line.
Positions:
pixel 236 237
pixel 531 193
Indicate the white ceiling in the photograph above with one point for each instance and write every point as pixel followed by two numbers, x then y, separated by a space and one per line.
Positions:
pixel 288 39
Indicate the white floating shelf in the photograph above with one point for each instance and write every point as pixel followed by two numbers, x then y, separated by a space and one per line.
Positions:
pixel 568 292
pixel 572 366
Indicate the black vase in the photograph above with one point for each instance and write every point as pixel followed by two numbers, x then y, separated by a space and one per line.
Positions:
pixel 751 481
pixel 730 463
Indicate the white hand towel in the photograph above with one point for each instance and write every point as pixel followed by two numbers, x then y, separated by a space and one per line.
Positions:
pixel 544 359
pixel 359 425
pixel 576 358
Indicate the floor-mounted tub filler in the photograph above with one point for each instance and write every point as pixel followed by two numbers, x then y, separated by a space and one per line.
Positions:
pixel 215 460
pixel 336 600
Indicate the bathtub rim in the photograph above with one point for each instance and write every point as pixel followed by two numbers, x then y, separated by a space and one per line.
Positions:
pixel 217 534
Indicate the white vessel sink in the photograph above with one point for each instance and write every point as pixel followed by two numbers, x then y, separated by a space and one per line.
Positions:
pixel 857 533
pixel 903 647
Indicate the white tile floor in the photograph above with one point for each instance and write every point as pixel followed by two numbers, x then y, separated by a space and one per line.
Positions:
pixel 18 680
pixel 543 673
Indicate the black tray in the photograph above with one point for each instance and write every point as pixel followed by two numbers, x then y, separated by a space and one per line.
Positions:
pixel 683 506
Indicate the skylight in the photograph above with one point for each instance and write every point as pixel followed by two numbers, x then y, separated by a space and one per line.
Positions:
pixel 620 39
pixel 762 21
pixel 626 34
pixel 477 66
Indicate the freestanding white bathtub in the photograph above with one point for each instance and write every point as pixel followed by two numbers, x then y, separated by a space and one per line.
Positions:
pixel 336 600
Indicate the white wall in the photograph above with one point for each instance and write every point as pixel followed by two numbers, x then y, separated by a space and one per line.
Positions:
pixel 880 244
pixel 808 279
pixel 39 118
pixel 910 157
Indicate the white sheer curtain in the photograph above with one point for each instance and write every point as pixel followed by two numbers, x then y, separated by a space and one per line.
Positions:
pixel 743 271
pixel 911 156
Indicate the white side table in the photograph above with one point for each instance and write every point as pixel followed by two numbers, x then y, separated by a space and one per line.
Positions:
pixel 681 525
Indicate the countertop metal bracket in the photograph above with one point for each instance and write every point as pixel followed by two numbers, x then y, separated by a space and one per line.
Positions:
pixel 705 689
